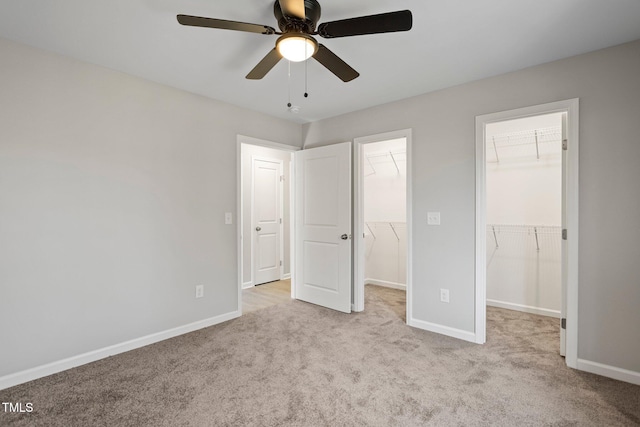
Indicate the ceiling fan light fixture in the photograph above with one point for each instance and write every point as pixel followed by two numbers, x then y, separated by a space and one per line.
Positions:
pixel 296 47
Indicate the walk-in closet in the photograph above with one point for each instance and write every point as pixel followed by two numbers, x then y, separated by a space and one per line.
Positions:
pixel 524 214
pixel 385 227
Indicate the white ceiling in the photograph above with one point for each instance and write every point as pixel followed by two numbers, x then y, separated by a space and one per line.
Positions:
pixel 452 42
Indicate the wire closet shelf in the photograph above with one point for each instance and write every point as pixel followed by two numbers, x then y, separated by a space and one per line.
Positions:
pixel 394 226
pixel 395 157
pixel 527 143
pixel 537 232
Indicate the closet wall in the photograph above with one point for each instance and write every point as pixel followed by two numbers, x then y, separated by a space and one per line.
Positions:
pixel 385 213
pixel 524 208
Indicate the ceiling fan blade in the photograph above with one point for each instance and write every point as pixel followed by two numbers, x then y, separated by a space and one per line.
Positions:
pixel 265 65
pixel 373 24
pixel 197 21
pixel 293 8
pixel 334 64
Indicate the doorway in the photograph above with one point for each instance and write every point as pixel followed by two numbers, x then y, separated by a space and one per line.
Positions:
pixel 524 214
pixel 264 206
pixel 382 215
pixel 526 206
pixel 319 204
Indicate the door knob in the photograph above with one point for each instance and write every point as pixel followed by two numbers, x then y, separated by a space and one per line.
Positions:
pixel 258 228
pixel 344 237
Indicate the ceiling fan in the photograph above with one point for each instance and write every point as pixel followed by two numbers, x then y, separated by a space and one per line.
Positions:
pixel 297 20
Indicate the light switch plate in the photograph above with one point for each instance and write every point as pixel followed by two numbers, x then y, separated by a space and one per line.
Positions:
pixel 433 218
pixel 228 218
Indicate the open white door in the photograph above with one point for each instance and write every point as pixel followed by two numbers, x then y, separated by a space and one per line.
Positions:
pixel 564 252
pixel 322 273
pixel 266 219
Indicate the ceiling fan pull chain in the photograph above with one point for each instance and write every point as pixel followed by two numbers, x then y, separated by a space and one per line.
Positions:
pixel 289 84
pixel 306 74
pixel 306 85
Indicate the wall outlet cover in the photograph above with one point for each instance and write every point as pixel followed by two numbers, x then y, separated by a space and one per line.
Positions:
pixel 199 291
pixel 444 295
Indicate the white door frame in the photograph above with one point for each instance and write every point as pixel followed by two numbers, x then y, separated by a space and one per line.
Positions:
pixel 242 139
pixel 358 215
pixel 571 298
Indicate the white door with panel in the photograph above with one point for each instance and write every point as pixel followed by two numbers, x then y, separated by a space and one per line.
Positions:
pixel 322 273
pixel 266 219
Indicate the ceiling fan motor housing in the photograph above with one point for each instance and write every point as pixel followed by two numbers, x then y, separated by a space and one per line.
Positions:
pixel 293 24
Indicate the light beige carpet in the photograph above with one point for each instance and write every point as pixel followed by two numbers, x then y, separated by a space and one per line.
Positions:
pixel 303 365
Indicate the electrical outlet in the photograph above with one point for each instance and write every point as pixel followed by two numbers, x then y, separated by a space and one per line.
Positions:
pixel 199 291
pixel 433 218
pixel 444 295
pixel 228 218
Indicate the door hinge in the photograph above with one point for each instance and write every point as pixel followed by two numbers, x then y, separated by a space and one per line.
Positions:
pixel 280 263
pixel 564 234
pixel 280 220
pixel 565 144
pixel 563 323
pixel 281 177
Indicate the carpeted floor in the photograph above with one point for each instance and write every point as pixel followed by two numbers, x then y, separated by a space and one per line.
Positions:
pixel 299 364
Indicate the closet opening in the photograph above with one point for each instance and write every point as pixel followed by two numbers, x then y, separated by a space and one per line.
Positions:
pixel 524 218
pixel 264 223
pixel 527 224
pixel 381 221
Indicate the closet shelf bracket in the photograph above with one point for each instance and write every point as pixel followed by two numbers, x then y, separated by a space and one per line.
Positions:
pixel 495 149
pixel 394 231
pixel 371 231
pixel 371 164
pixel 394 161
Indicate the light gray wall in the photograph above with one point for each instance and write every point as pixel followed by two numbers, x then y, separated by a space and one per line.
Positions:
pixel 247 152
pixel 112 199
pixel 608 86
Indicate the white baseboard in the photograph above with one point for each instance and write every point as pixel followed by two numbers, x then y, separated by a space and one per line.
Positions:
pixel 247 285
pixel 609 371
pixel 82 359
pixel 386 284
pixel 524 308
pixel 286 276
pixel 443 330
